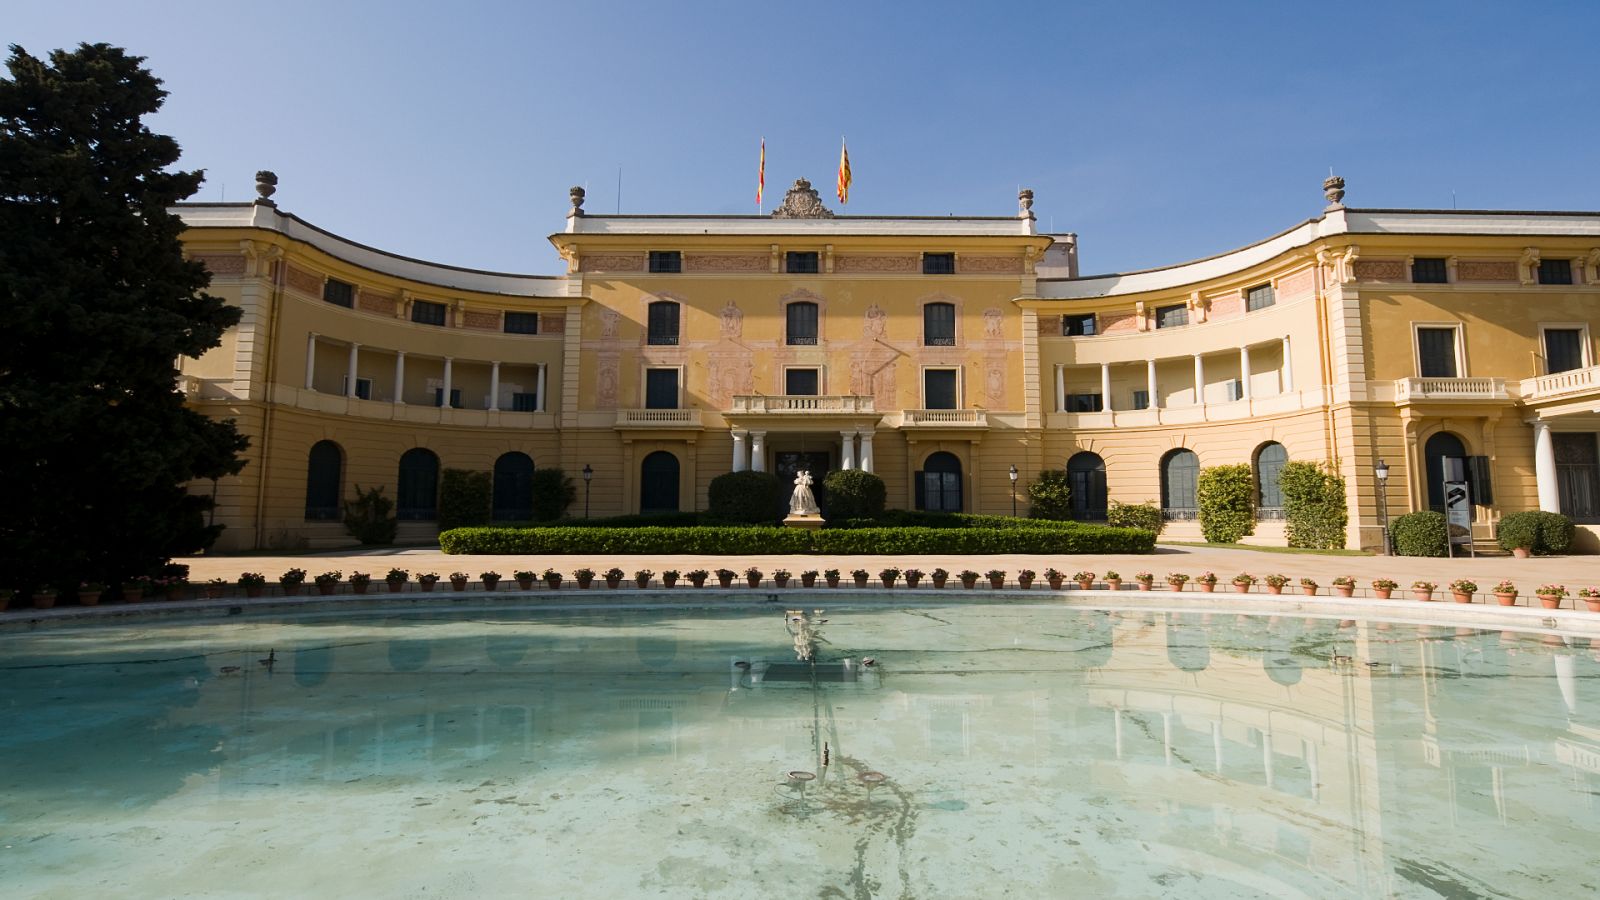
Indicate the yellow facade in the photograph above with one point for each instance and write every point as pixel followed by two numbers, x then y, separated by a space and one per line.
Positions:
pixel 1356 336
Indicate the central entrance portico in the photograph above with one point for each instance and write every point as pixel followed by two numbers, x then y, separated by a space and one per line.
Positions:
pixel 787 427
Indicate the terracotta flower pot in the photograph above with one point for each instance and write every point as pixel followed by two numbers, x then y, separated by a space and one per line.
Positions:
pixel 395 587
pixel 913 580
pixel 458 584
pixel 725 581
pixel 969 583
pixel 293 590
pixel 1242 587
pixel 697 580
pixel 1145 585
pixel 583 582
pixel 808 580
pixel 1175 585
pixel 888 582
pixel 358 587
pixel 831 580
pixel 641 581
pixel 1345 590
pixel 1593 603
pixel 1506 599
pixel 753 580
pixel 1550 601
pixel 1025 582
pixel 426 585
pixel 667 581
pixel 996 583
pixel 614 583
pixel 1275 589
pixel 861 580
pixel 327 589
pixel 1310 590
pixel 252 592
pixel 553 582
pixel 1382 593
pixel 490 584
pixel 1420 594
pixel 1461 596
pixel 525 584
pixel 1520 552
pixel 44 600
pixel 1113 584
pixel 939 580
pixel 88 598
pixel 1207 587
pixel 782 582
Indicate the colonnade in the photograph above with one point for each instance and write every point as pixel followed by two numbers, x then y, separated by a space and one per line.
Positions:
pixel 1245 372
pixel 750 450
pixel 353 367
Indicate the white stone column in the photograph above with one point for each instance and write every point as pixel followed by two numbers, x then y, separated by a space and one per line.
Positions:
pixel 1150 383
pixel 1244 373
pixel 1266 755
pixel 866 451
pixel 1061 388
pixel 1288 367
pixel 1166 738
pixel 758 451
pixel 311 361
pixel 1567 682
pixel 350 380
pixel 1116 729
pixel 1216 746
pixel 494 386
pixel 1105 386
pixel 449 376
pixel 847 453
pixel 400 377
pixel 1544 467
pixel 738 451
pixel 538 390
pixel 1199 379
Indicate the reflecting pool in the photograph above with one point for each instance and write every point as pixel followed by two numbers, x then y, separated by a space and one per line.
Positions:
pixel 934 751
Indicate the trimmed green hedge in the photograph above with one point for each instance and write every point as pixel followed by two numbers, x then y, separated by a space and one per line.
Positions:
pixel 1422 533
pixel 1135 515
pixel 852 494
pixel 747 497
pixel 1050 496
pixel 1313 505
pixel 1227 503
pixel 553 492
pixel 1063 537
pixel 1540 532
pixel 464 498
pixel 914 518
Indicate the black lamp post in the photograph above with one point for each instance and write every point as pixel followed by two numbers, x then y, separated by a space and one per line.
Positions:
pixel 1013 492
pixel 1382 471
pixel 588 476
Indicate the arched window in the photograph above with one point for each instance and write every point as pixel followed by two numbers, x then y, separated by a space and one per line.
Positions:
pixel 1086 478
pixel 1269 493
pixel 1180 470
pixel 939 324
pixel 662 325
pixel 418 497
pixel 513 487
pixel 800 325
pixel 324 473
pixel 1445 458
pixel 938 485
pixel 658 483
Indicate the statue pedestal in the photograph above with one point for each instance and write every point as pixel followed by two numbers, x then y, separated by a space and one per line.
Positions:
pixel 802 521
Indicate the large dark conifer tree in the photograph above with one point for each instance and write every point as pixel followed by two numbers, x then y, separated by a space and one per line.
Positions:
pixel 97 305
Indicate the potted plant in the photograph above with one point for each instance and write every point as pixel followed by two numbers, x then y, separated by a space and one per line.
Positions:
pixel 584 577
pixel 1344 585
pixel 780 577
pixel 725 577
pixel 359 582
pixel 1145 580
pixel 860 576
pixel 524 579
pixel 641 578
pixel 215 588
pixel 969 579
pixel 89 593
pixel 396 580
pixel 1550 595
pixel 1207 581
pixel 753 576
pixel 1309 586
pixel 1275 583
pixel 1176 580
pixel 1055 578
pixel 669 578
pixel 552 579
pixel 458 581
pixel 997 578
pixel 889 577
pixel 1025 578
pixel 252 582
pixel 491 580
pixel 328 582
pixel 427 580
pixel 175 587
pixel 1383 587
pixel 939 576
pixel 291 581
pixel 1113 581
pixel 1423 590
pixel 808 578
pixel 1461 590
pixel 913 577
pixel 613 577
pixel 1243 581
pixel 1590 598
pixel 697 577
pixel 1505 593
pixel 44 597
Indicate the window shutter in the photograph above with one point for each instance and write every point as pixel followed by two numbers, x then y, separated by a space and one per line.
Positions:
pixel 1478 480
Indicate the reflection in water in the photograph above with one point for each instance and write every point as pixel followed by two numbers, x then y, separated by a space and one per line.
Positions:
pixel 1073 751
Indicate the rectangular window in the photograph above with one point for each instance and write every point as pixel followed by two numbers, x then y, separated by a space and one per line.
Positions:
pixel 661 389
pixel 1563 349
pixel 1436 352
pixel 939 325
pixel 363 387
pixel 1077 325
pixel 800 262
pixel 522 323
pixel 666 261
pixel 1259 297
pixel 800 326
pixel 802 382
pixel 1429 270
pixel 1578 475
pixel 938 263
pixel 939 389
pixel 425 313
pixel 339 293
pixel 1235 390
pixel 524 402
pixel 1084 403
pixel 663 325
pixel 1172 316
pixel 1555 271
pixel 455 397
pixel 1141 399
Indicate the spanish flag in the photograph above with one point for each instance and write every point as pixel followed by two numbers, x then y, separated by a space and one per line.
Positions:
pixel 844 172
pixel 761 173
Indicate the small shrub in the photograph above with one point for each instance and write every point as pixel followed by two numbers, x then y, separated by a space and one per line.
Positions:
pixel 370 517
pixel 1313 505
pixel 1050 497
pixel 553 492
pixel 1422 533
pixel 747 498
pixel 1540 532
pixel 1227 503
pixel 1135 515
pixel 853 494
pixel 464 498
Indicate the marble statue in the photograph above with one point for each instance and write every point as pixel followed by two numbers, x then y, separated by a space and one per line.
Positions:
pixel 803 503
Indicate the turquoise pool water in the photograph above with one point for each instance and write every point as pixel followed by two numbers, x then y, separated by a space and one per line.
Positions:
pixel 1023 751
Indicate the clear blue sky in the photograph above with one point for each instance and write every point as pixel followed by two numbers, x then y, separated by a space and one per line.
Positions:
pixel 1157 131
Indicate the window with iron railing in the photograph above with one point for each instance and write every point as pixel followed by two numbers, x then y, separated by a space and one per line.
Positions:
pixel 1259 297
pixel 799 262
pixel 1429 270
pixel 800 325
pixel 522 323
pixel 662 328
pixel 665 262
pixel 939 325
pixel 339 293
pixel 1555 271
pixel 1172 316
pixel 938 263
pixel 426 313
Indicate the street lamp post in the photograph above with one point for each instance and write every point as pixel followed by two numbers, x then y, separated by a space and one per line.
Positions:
pixel 588 476
pixel 1013 492
pixel 1382 471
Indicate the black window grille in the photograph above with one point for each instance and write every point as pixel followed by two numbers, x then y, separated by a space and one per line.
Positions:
pixel 1077 325
pixel 801 382
pixel 939 389
pixel 1436 352
pixel 661 389
pixel 1563 349
pixel 800 262
pixel 424 312
pixel 1429 270
pixel 1180 473
pixel 939 325
pixel 1269 472
pixel 663 324
pixel 938 263
pixel 1578 475
pixel 1259 297
pixel 801 323
pixel 1555 271
pixel 1172 316
pixel 339 293
pixel 522 323
pixel 1083 403
pixel 666 261
pixel 417 498
pixel 525 402
pixel 938 484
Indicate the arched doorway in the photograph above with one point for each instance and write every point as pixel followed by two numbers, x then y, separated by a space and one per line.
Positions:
pixel 939 483
pixel 324 471
pixel 513 487
pixel 1086 478
pixel 1180 473
pixel 658 483
pixel 1268 470
pixel 418 496
pixel 1444 457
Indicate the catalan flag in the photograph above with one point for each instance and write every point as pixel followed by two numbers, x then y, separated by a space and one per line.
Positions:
pixel 761 173
pixel 844 172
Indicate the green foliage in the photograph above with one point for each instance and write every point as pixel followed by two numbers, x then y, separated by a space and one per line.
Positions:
pixel 853 494
pixel 1313 504
pixel 914 518
pixel 1135 515
pixel 747 498
pixel 1060 538
pixel 553 492
pixel 1227 497
pixel 1050 497
pixel 99 304
pixel 1540 532
pixel 1421 533
pixel 465 498
pixel 370 517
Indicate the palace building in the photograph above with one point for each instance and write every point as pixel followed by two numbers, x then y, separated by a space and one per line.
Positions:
pixel 937 352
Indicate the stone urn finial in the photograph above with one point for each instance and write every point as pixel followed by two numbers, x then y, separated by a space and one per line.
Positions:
pixel 1025 202
pixel 577 194
pixel 266 186
pixel 1333 189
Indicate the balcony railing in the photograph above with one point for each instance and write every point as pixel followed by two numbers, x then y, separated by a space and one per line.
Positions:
pixel 801 403
pixel 972 418
pixel 1413 389
pixel 1574 381
pixel 658 418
